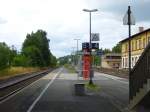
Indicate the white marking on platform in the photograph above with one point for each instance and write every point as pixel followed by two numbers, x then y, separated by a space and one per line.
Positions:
pixel 114 78
pixel 44 90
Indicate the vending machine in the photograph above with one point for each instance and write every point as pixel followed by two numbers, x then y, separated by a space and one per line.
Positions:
pixel 86 60
pixel 86 66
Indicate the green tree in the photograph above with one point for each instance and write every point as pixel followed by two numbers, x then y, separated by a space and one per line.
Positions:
pixel 34 56
pixel 20 60
pixel 12 54
pixel 106 51
pixel 53 61
pixel 4 55
pixel 36 48
pixel 96 60
pixel 64 60
pixel 117 48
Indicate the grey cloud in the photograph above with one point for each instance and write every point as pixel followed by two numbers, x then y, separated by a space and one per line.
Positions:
pixel 140 9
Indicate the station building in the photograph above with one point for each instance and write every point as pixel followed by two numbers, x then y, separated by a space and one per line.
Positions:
pixel 111 60
pixel 139 42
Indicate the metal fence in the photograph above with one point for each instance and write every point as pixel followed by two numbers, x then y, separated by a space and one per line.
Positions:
pixel 140 73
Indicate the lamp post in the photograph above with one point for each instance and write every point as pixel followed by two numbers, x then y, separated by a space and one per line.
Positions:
pixel 77 44
pixel 77 51
pixel 90 45
pixel 73 55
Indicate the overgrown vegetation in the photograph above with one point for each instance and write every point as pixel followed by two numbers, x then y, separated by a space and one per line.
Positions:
pixel 13 71
pixel 6 56
pixel 34 53
pixel 65 59
pixel 36 50
pixel 115 49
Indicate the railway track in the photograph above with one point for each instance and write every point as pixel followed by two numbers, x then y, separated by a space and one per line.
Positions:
pixel 15 84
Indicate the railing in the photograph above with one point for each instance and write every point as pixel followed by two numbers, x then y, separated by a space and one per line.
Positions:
pixel 140 72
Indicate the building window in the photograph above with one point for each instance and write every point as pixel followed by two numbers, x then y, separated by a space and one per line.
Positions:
pixel 122 62
pixel 136 45
pixel 148 39
pixel 126 47
pixel 140 44
pixel 132 45
pixel 144 43
pixel 132 62
pixel 126 62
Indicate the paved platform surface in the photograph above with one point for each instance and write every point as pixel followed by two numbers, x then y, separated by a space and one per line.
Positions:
pixel 55 93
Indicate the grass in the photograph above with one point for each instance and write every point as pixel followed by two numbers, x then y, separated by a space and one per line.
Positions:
pixel 92 87
pixel 13 71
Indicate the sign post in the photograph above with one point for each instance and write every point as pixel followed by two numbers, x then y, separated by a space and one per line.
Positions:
pixel 129 20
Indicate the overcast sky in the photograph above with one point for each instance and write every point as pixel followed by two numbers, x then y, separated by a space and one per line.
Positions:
pixel 64 21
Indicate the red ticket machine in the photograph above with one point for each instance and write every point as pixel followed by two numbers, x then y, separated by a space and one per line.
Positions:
pixel 86 66
pixel 86 60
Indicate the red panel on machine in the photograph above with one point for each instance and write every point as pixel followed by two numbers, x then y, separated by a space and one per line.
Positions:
pixel 86 66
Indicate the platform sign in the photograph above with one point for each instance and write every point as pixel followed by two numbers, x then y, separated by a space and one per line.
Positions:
pixel 100 53
pixel 94 36
pixel 85 45
pixel 95 45
pixel 125 19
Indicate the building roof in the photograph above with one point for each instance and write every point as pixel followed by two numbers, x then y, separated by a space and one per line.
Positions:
pixel 135 35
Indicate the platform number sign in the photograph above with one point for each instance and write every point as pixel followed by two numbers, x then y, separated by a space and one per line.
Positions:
pixel 85 45
pixel 95 45
pixel 95 37
pixel 125 19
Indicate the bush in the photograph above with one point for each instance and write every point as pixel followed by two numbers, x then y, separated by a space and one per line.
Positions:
pixel 4 56
pixel 20 60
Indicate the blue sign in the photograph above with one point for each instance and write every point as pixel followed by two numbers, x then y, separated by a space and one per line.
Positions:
pixel 95 45
pixel 85 45
pixel 100 53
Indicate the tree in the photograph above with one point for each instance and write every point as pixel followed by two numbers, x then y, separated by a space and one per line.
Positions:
pixel 20 60
pixel 117 48
pixel 36 48
pixel 34 56
pixel 97 60
pixel 105 51
pixel 4 56
pixel 64 60
pixel 12 54
pixel 53 61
